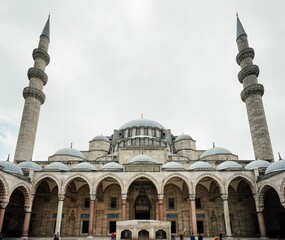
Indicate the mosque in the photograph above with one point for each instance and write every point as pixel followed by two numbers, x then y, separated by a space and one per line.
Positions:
pixel 143 181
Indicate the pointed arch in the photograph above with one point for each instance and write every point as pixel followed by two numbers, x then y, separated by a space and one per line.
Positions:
pixel 37 181
pixel 142 174
pixel 282 191
pixel 106 175
pixel 3 190
pixel 173 175
pixel 209 175
pixel 248 179
pixel 73 177
pixel 25 189
pixel 263 189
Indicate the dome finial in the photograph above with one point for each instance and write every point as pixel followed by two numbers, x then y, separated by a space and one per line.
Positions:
pixel 8 157
pixel 214 145
pixel 280 158
pixel 141 115
pixel 71 145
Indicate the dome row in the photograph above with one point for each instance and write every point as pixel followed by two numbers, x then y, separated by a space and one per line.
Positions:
pixel 199 165
pixel 76 153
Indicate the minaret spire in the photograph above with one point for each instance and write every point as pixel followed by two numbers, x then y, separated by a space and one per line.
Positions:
pixel 240 29
pixel 34 98
pixel 45 31
pixel 252 96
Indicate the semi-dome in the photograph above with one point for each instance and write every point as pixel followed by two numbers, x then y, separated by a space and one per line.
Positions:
pixel 71 152
pixel 229 165
pixel 101 138
pixel 215 151
pixel 276 167
pixel 183 137
pixel 256 164
pixel 11 167
pixel 112 166
pixel 200 165
pixel 142 123
pixel 57 166
pixel 142 158
pixel 30 165
pixel 84 166
pixel 172 166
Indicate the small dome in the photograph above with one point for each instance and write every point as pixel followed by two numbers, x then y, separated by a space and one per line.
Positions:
pixel 183 137
pixel 11 167
pixel 101 138
pixel 229 165
pixel 142 158
pixel 112 166
pixel 31 166
pixel 71 152
pixel 215 151
pixel 172 166
pixel 200 165
pixel 142 123
pixel 256 164
pixel 84 166
pixel 276 167
pixel 57 166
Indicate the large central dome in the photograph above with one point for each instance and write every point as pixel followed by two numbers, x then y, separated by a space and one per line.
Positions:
pixel 142 123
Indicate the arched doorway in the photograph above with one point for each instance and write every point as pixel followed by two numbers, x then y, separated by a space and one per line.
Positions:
pixel 242 209
pixel 142 199
pixel 176 205
pixel 208 201
pixel 143 234
pixel 142 205
pixel 107 206
pixel 45 203
pixel 274 214
pixel 14 215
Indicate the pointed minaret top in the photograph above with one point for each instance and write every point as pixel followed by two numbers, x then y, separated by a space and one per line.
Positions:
pixel 240 29
pixel 46 29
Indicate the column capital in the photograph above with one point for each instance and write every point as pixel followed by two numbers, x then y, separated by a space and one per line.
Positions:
pixel 259 209
pixel 28 209
pixel 61 197
pixel 224 197
pixel 192 197
pixel 160 196
pixel 124 196
pixel 92 197
pixel 4 204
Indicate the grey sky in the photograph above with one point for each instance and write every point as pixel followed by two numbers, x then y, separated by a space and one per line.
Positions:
pixel 173 61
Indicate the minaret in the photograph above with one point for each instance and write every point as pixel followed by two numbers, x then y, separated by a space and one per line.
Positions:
pixel 252 96
pixel 34 98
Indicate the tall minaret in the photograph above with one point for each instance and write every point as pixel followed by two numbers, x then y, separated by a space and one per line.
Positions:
pixel 252 96
pixel 34 98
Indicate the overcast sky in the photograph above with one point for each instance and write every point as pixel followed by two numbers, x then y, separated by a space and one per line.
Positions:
pixel 173 61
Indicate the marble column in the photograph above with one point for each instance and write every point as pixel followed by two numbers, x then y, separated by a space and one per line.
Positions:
pixel 59 213
pixel 25 231
pixel 3 206
pixel 124 204
pixel 91 216
pixel 227 215
pixel 261 224
pixel 193 214
pixel 259 212
pixel 160 207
